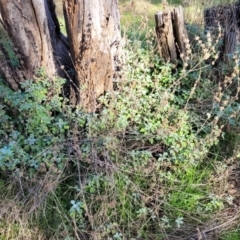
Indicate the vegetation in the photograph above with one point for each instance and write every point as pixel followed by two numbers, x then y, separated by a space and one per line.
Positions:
pixel 160 160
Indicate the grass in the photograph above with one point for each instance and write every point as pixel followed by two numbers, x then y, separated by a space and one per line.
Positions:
pixel 132 11
pixel 233 235
pixel 155 163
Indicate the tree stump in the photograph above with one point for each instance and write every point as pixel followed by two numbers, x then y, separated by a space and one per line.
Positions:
pixel 229 45
pixel 93 29
pixel 227 18
pixel 171 34
pixel 34 32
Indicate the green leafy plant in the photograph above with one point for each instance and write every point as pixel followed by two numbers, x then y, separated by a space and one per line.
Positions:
pixel 153 162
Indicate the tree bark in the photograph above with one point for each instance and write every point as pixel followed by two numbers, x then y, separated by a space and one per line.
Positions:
pixel 36 40
pixel 171 35
pixel 93 29
pixel 228 18
pixel 229 45
pixel 165 38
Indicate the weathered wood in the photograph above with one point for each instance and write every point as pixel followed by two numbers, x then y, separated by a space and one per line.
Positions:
pixel 165 38
pixel 36 39
pixel 93 29
pixel 228 18
pixel 171 34
pixel 180 33
pixel 225 17
pixel 229 45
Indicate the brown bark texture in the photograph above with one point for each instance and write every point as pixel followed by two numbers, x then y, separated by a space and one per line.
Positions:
pixel 227 20
pixel 229 45
pixel 91 49
pixel 93 29
pixel 36 39
pixel 171 34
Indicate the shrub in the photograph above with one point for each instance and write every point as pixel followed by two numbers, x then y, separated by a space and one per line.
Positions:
pixel 146 165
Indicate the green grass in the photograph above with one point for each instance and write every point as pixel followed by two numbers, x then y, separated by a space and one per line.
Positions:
pixel 231 235
pixel 133 10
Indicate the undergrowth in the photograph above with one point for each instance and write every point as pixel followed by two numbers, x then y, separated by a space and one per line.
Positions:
pixel 159 161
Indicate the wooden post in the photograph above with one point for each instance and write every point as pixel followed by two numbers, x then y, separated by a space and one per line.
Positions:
pixel 171 34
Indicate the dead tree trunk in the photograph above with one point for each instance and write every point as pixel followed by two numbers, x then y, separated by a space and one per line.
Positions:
pixel 36 40
pixel 227 18
pixel 171 34
pixel 229 45
pixel 94 35
pixel 93 32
